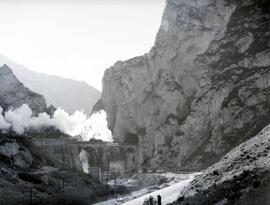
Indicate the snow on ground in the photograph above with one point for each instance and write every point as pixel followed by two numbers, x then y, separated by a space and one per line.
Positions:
pixel 168 194
pixel 153 179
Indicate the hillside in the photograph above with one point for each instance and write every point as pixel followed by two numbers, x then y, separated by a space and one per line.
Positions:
pixel 25 169
pixel 241 177
pixel 71 95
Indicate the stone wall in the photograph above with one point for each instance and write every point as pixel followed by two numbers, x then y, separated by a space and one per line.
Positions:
pixel 64 150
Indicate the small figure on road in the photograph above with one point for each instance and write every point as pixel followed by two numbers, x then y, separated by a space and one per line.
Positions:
pixel 159 199
pixel 151 200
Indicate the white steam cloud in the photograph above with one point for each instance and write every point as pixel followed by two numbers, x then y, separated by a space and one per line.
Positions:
pixel 97 127
pixel 76 124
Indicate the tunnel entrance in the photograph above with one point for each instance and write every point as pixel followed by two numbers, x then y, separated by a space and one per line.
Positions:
pixel 131 138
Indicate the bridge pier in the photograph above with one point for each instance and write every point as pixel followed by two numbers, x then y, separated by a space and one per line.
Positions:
pixel 104 158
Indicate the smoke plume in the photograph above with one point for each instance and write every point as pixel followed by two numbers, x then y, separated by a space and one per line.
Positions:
pixel 77 124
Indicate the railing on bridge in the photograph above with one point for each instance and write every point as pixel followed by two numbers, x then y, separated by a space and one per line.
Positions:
pixel 101 175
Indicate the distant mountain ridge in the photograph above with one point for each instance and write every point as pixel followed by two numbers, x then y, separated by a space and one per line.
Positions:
pixel 69 94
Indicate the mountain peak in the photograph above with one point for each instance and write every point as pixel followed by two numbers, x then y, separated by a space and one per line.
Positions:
pixel 4 69
pixel 13 93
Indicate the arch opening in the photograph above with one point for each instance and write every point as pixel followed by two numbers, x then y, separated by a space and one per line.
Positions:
pixel 131 138
pixel 84 161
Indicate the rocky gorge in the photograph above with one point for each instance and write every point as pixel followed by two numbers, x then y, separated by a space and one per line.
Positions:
pixel 38 158
pixel 199 101
pixel 201 90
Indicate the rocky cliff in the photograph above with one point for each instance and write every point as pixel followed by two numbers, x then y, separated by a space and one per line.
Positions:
pixel 57 91
pixel 201 90
pixel 13 93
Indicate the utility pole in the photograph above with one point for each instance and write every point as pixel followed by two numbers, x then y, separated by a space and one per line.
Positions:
pixel 140 176
pixel 107 181
pixel 63 185
pixel 115 191
pixel 31 196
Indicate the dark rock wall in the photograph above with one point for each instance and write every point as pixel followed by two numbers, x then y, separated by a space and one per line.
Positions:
pixel 201 90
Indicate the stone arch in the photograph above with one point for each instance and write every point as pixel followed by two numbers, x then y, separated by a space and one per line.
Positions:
pixel 94 157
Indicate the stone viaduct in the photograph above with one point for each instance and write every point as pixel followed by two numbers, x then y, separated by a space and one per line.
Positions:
pixel 91 157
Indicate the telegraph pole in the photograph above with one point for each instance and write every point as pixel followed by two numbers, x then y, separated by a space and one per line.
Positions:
pixel 63 185
pixel 31 196
pixel 107 181
pixel 29 190
pixel 115 191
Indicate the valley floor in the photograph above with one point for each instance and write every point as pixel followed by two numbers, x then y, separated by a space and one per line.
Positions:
pixel 168 191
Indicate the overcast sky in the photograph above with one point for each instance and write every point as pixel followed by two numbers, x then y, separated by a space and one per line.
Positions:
pixel 77 39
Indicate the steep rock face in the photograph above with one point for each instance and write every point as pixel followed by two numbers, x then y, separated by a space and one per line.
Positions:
pixel 13 93
pixel 201 90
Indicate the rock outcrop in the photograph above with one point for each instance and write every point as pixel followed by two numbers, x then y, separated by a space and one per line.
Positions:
pixel 240 177
pixel 57 91
pixel 13 93
pixel 201 90
pixel 18 155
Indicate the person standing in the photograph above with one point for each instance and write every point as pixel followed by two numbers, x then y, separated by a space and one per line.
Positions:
pixel 151 200
pixel 159 199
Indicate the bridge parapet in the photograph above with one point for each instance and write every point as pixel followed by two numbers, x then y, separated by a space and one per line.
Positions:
pixel 94 145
